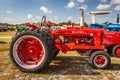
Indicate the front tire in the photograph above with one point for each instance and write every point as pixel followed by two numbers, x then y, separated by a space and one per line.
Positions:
pixel 100 59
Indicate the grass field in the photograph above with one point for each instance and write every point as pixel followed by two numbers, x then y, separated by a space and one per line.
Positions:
pixel 8 33
pixel 4 42
pixel 70 66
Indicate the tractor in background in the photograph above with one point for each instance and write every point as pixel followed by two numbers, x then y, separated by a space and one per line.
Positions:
pixel 32 49
pixel 112 27
pixel 112 33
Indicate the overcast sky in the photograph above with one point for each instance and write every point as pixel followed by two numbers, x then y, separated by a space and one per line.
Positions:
pixel 19 11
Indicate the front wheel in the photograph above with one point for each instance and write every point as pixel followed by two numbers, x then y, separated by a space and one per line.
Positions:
pixel 100 59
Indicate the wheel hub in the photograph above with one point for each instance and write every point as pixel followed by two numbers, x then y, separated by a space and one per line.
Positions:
pixel 118 52
pixel 100 60
pixel 30 51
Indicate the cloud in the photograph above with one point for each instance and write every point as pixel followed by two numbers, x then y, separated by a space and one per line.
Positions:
pixel 45 10
pixel 70 5
pixel 115 1
pixel 38 17
pixel 84 6
pixel 9 11
pixel 81 1
pixel 103 6
pixel 69 18
pixel 103 1
pixel 117 7
pixel 56 17
pixel 29 16
pixel 9 20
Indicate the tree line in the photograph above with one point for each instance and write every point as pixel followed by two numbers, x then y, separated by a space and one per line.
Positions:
pixel 59 24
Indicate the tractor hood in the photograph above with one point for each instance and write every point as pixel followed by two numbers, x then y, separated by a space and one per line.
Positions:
pixel 76 32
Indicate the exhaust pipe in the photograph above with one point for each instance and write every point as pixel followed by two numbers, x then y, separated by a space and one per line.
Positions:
pixel 118 18
pixel 82 17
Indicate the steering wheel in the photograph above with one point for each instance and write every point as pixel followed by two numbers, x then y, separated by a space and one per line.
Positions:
pixel 43 20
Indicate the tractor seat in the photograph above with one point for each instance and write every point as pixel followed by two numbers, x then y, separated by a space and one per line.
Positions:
pixel 31 25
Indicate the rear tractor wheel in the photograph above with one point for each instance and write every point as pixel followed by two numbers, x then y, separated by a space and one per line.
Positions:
pixel 30 52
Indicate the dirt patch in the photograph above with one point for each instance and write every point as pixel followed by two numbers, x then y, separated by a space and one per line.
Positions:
pixel 70 66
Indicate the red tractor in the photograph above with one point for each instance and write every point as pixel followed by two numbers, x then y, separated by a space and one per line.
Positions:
pixel 32 49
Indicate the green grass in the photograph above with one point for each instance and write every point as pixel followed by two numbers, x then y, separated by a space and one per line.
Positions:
pixel 7 33
pixel 70 66
pixel 4 42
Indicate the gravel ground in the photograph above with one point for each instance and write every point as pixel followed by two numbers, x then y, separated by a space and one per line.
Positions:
pixel 70 66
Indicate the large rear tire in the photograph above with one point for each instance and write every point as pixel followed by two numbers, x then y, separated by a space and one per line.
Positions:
pixel 31 50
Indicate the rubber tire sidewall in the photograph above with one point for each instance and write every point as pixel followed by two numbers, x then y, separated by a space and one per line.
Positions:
pixel 114 51
pixel 42 65
pixel 96 53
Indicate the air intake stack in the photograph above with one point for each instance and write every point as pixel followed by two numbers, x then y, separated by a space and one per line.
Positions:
pixel 82 17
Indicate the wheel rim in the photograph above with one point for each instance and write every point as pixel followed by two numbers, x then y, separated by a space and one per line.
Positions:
pixel 100 60
pixel 28 51
pixel 118 52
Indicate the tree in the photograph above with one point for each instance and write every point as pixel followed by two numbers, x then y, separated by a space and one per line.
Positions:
pixel 68 23
pixel 85 24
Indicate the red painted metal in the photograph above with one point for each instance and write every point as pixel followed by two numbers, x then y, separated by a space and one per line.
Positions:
pixel 100 60
pixel 82 39
pixel 49 24
pixel 76 35
pixel 118 52
pixel 33 26
pixel 111 38
pixel 30 51
pixel 99 39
